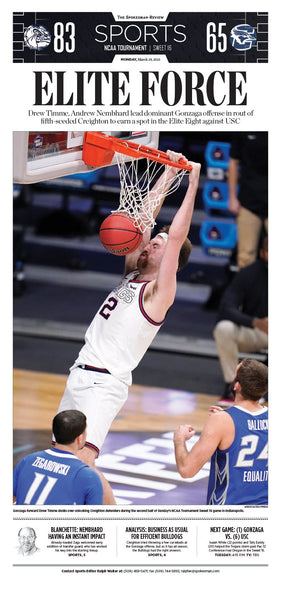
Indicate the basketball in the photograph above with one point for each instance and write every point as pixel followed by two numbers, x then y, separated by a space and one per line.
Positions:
pixel 119 235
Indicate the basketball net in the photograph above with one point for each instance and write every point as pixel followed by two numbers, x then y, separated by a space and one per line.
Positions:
pixel 137 197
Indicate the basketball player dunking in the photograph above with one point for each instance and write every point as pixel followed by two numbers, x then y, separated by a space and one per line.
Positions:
pixel 126 323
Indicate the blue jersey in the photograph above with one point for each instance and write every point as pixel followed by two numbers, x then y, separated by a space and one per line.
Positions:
pixel 56 477
pixel 239 474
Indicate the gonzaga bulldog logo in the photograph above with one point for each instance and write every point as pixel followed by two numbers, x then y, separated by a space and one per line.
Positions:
pixel 243 37
pixel 37 37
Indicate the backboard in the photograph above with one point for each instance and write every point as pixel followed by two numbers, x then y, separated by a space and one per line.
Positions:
pixel 40 156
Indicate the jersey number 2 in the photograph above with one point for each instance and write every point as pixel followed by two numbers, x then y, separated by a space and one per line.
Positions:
pixel 108 307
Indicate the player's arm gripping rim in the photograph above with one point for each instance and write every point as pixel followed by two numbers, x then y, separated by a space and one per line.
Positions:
pixel 167 176
pixel 163 290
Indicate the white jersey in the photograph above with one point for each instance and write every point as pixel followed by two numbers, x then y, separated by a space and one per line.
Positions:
pixel 120 332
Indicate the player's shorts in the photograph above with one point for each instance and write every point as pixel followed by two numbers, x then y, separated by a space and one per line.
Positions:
pixel 100 396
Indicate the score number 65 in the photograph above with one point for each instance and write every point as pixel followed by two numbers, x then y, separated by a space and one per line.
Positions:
pixel 216 39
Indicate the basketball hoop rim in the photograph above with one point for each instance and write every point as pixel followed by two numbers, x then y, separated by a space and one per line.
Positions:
pixel 101 147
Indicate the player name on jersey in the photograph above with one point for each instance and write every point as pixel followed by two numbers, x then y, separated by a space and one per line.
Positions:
pixel 261 425
pixel 51 465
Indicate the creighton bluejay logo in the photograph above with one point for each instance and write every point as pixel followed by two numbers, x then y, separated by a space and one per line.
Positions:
pixel 37 37
pixel 243 37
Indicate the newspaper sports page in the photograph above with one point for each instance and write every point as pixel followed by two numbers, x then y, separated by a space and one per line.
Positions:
pixel 188 79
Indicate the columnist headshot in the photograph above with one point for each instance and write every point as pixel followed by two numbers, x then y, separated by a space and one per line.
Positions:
pixel 27 541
